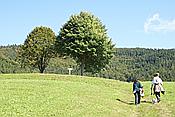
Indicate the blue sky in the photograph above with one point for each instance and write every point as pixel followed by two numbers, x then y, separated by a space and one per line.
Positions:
pixel 130 23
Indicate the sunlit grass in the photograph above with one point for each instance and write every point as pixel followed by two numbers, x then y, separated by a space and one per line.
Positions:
pixel 48 95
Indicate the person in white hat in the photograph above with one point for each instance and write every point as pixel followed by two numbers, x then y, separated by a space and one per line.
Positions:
pixel 157 86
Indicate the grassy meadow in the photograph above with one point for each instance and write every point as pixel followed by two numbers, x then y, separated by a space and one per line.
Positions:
pixel 51 95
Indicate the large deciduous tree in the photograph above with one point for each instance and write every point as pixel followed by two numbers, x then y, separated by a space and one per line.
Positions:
pixel 85 39
pixel 38 48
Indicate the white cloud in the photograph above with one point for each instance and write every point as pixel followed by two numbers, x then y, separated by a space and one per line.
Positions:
pixel 156 24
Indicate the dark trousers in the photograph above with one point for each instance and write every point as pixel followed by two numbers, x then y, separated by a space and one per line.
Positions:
pixel 157 96
pixel 137 97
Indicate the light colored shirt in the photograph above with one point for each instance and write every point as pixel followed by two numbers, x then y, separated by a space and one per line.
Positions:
pixel 157 80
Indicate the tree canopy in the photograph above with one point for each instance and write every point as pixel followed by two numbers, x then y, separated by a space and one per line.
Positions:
pixel 84 38
pixel 38 48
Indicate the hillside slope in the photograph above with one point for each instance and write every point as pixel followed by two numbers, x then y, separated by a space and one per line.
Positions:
pixel 48 95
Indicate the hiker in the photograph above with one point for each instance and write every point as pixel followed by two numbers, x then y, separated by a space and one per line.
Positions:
pixel 157 87
pixel 137 88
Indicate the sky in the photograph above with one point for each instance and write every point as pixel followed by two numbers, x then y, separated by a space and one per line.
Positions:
pixel 129 23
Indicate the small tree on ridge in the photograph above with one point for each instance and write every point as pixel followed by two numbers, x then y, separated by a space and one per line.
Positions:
pixel 38 48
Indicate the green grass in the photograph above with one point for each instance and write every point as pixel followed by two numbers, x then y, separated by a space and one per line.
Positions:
pixel 46 95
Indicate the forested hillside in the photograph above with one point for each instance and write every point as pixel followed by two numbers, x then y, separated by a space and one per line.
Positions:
pixel 143 63
pixel 126 64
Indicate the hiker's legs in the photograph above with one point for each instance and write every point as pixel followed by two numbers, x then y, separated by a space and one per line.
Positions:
pixel 158 96
pixel 137 97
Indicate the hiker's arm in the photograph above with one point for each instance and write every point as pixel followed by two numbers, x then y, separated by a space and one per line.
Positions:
pixel 161 82
pixel 134 88
pixel 141 86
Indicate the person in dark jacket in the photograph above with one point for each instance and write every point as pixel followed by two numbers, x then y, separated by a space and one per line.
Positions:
pixel 137 87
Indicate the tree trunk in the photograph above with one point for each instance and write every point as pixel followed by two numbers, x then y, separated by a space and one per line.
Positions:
pixel 42 65
pixel 42 70
pixel 81 69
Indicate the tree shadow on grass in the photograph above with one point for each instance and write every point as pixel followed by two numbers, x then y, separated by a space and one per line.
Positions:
pixel 125 102
pixel 132 102
pixel 146 101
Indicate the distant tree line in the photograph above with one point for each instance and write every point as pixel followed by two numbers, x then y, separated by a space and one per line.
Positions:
pixel 128 63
